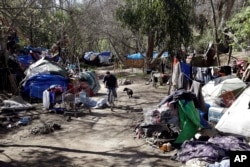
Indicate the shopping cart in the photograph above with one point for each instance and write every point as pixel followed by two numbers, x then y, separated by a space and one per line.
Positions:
pixel 75 103
pixel 71 102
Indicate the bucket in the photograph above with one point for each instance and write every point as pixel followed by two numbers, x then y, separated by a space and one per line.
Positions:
pixel 149 71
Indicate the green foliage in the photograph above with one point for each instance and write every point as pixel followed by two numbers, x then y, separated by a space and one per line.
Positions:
pixel 240 26
pixel 103 45
pixel 201 42
pixel 168 21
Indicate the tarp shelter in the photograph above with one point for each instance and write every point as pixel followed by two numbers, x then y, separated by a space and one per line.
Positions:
pixel 104 57
pixel 90 56
pixel 41 75
pixel 38 83
pixel 135 56
pixel 25 60
pixel 44 66
pixel 236 119
pixel 215 88
pixel 164 55
pixel 135 60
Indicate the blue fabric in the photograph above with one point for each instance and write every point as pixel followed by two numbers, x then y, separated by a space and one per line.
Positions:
pixel 186 69
pixel 164 54
pixel 135 56
pixel 88 54
pixel 25 60
pixel 35 86
pixel 203 121
pixel 105 53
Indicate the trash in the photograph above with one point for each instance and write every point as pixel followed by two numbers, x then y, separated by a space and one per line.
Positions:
pixel 24 121
pixel 166 147
pixel 9 126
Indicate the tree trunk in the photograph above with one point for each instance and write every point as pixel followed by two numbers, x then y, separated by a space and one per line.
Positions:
pixel 158 56
pixel 229 55
pixel 150 51
pixel 215 34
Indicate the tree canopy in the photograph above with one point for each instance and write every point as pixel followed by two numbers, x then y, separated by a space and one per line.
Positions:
pixel 239 25
pixel 122 26
pixel 166 24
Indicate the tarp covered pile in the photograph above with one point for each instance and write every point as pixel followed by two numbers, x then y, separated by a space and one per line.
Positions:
pixel 40 76
pixel 97 58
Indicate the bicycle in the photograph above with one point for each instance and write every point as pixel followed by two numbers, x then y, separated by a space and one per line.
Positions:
pixel 111 99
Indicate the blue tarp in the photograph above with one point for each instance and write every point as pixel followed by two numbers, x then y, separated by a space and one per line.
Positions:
pixel 142 56
pixel 164 54
pixel 105 53
pixel 25 60
pixel 35 86
pixel 88 54
pixel 135 56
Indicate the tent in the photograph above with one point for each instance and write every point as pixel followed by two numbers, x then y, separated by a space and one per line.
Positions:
pixel 44 66
pixel 35 85
pixel 92 80
pixel 236 119
pixel 215 88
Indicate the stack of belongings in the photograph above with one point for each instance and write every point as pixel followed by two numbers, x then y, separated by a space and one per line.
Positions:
pixel 177 119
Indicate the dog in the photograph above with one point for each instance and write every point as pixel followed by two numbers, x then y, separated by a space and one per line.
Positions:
pixel 129 92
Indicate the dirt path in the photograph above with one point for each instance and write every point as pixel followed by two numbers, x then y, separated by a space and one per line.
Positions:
pixel 101 138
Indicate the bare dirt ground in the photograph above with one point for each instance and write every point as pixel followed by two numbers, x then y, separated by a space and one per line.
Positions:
pixel 98 139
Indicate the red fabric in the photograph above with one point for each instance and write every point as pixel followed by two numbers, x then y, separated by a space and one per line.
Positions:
pixel 175 61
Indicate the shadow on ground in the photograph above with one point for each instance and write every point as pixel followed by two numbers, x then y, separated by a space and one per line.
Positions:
pixel 41 156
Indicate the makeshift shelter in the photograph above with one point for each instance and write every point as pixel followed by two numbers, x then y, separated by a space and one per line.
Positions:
pixel 95 58
pixel 40 76
pixel 25 61
pixel 104 57
pixel 36 84
pixel 135 60
pixel 44 66
pixel 236 119
pixel 91 58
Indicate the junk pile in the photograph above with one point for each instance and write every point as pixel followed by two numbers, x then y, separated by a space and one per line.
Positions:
pixel 48 127
pixel 197 119
pixel 47 81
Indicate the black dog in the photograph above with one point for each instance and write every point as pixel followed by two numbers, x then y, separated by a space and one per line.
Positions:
pixel 129 92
